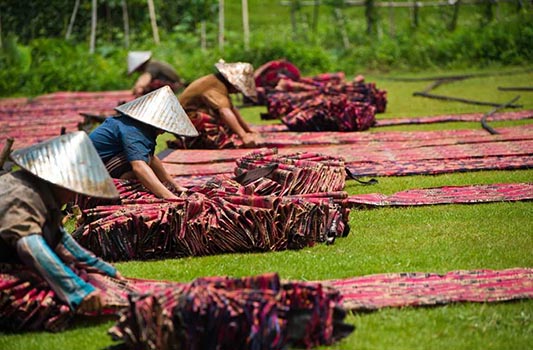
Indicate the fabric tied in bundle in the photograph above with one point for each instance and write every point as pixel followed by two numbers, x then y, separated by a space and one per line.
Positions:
pixel 234 313
pixel 299 202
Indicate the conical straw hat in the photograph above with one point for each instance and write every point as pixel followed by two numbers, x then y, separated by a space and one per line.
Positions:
pixel 160 108
pixel 137 59
pixel 240 75
pixel 69 161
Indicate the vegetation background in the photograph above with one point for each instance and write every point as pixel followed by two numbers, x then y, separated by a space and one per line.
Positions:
pixel 36 59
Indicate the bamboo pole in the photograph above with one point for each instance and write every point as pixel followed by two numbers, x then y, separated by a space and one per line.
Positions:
pixel 72 19
pixel 245 24
pixel 392 28
pixel 221 25
pixel 126 21
pixel 1 44
pixel 342 26
pixel 203 40
pixel 155 31
pixel 293 22
pixel 93 28
pixel 316 9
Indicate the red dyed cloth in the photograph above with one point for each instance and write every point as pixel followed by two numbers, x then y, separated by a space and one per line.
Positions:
pixel 41 118
pixel 227 313
pixel 212 134
pixel 372 292
pixel 298 203
pixel 447 195
pixel 29 304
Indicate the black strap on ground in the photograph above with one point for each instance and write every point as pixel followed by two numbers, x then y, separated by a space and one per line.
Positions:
pixel 461 76
pixel 463 100
pixel 486 115
pixel 515 88
pixel 358 178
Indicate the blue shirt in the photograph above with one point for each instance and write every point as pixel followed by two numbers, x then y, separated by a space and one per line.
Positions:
pixel 124 134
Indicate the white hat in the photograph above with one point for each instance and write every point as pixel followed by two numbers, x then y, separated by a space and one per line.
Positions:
pixel 160 108
pixel 240 75
pixel 137 59
pixel 69 161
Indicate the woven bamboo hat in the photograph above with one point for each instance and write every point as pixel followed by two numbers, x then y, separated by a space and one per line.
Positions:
pixel 137 59
pixel 240 75
pixel 161 109
pixel 69 161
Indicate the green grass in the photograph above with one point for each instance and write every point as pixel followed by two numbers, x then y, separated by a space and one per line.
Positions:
pixel 430 239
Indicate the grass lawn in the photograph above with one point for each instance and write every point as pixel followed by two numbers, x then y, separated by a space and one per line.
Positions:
pixel 429 239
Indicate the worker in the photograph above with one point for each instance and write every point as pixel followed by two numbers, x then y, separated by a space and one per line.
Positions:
pixel 126 142
pixel 208 103
pixel 154 74
pixel 31 231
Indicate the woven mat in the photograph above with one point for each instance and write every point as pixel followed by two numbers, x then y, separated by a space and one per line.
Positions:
pixel 29 121
pixel 447 195
pixel 29 304
pixel 446 118
pixel 385 153
pixel 373 292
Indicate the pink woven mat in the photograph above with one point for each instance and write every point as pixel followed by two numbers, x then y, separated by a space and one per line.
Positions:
pixel 29 121
pixel 447 195
pixel 29 304
pixel 386 153
pixel 446 118
pixel 373 292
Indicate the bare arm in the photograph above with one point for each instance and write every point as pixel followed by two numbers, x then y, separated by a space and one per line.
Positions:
pixel 162 174
pixel 149 179
pixel 228 116
pixel 142 82
pixel 243 124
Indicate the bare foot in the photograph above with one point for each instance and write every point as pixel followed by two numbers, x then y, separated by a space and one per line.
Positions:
pixel 92 303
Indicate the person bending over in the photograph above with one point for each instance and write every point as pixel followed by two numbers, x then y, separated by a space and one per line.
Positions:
pixel 31 231
pixel 126 142
pixel 207 102
pixel 153 74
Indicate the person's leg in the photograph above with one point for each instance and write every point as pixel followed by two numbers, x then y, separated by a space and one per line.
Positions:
pixel 70 251
pixel 35 253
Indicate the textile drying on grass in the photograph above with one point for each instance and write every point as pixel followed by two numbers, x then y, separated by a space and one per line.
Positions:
pixel 326 102
pixel 156 312
pixel 297 204
pixel 373 292
pixel 380 154
pixel 446 195
pixel 30 121
pixel 446 118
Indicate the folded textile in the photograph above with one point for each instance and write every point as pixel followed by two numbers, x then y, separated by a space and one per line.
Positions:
pixel 368 293
pixel 447 195
pixel 233 313
pixel 31 121
pixel 151 309
pixel 297 203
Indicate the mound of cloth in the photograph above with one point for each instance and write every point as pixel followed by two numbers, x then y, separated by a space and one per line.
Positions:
pixel 326 102
pixel 258 312
pixel 273 203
